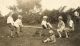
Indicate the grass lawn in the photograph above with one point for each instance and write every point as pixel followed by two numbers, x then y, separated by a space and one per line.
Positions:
pixel 27 39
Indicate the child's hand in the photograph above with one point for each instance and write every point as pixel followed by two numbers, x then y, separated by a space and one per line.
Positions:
pixel 12 24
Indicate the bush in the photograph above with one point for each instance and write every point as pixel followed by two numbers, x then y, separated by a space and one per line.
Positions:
pixel 32 19
pixel 2 21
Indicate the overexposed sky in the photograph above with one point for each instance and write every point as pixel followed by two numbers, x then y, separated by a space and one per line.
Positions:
pixel 4 4
pixel 55 4
pixel 46 4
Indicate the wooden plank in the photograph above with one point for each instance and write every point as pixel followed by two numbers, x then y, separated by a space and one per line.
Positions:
pixel 32 26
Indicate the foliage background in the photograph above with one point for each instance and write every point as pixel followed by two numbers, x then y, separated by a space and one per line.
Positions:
pixel 31 16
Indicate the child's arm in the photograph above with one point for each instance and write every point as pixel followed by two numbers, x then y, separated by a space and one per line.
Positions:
pixel 58 26
pixel 49 25
pixel 21 24
pixel 43 23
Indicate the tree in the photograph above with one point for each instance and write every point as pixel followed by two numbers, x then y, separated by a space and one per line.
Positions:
pixel 30 10
pixel 26 5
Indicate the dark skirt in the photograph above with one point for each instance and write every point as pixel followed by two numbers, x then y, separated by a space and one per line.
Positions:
pixel 11 26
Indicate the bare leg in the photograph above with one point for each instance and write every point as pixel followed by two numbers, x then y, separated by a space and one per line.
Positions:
pixel 12 31
pixel 40 32
pixel 18 30
pixel 66 34
pixel 59 33
pixel 48 39
pixel 21 29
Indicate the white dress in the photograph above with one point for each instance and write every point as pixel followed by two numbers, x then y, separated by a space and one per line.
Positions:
pixel 18 23
pixel 10 20
pixel 61 26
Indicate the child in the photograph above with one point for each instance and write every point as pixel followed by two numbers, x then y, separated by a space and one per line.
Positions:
pixel 51 38
pixel 77 17
pixel 10 23
pixel 61 26
pixel 70 26
pixel 18 24
pixel 47 26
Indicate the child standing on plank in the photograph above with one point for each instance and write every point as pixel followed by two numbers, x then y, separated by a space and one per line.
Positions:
pixel 10 23
pixel 18 24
